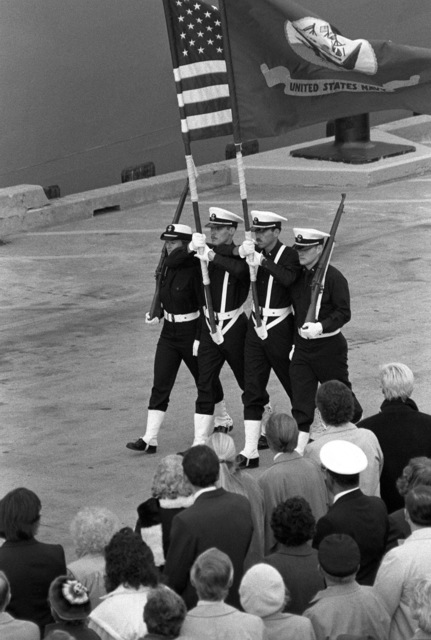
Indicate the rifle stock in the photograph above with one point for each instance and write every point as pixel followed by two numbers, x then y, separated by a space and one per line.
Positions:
pixel 155 308
pixel 319 275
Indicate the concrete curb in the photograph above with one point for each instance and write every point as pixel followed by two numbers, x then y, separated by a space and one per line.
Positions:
pixel 26 207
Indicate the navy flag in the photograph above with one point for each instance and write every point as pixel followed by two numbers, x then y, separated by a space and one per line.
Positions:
pixel 291 69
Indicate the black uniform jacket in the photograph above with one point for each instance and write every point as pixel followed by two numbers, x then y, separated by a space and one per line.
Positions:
pixel 284 272
pixel 239 278
pixel 181 283
pixel 335 306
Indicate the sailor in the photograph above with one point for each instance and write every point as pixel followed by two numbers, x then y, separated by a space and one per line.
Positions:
pixel 180 296
pixel 229 286
pixel 320 352
pixel 266 347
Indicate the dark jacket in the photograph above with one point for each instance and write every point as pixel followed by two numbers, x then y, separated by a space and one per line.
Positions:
pixel 365 518
pixel 300 573
pixel 217 519
pixel 31 566
pixel 403 433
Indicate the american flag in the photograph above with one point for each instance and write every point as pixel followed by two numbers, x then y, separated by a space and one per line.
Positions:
pixel 200 73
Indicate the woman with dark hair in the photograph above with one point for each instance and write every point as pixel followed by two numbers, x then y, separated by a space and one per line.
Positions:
pixel 181 299
pixel 418 471
pixel 293 525
pixel 30 565
pixel 130 573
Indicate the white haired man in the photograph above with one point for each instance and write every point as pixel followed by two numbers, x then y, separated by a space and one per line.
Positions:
pixel 401 429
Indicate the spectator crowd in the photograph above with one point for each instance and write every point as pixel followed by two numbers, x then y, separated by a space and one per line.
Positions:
pixel 329 543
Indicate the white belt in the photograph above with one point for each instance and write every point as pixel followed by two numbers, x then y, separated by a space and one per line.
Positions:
pixel 324 335
pixel 278 314
pixel 181 317
pixel 266 312
pixel 227 315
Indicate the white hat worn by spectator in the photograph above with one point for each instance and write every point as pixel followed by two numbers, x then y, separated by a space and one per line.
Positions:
pixel 343 457
pixel 262 591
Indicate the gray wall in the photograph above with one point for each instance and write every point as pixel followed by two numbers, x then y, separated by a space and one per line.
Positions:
pixel 87 86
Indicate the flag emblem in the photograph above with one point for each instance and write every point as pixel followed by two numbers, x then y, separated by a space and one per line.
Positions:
pixel 316 41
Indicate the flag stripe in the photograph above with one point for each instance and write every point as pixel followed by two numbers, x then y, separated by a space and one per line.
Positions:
pixel 207 93
pixel 206 120
pixel 199 69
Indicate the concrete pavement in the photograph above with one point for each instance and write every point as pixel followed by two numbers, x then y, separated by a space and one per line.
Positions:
pixel 77 357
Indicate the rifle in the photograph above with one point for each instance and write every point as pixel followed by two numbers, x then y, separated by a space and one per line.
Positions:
pixel 155 309
pixel 318 281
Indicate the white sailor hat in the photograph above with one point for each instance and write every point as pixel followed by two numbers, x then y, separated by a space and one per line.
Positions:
pixel 177 232
pixel 266 220
pixel 341 456
pixel 305 238
pixel 222 218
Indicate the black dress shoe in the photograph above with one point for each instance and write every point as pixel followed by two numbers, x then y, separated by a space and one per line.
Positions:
pixel 246 463
pixel 262 443
pixel 142 446
pixel 223 428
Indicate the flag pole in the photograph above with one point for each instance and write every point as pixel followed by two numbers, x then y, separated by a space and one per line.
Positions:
pixel 239 161
pixel 191 173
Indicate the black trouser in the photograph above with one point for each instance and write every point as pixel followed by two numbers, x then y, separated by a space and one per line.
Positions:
pixel 211 358
pixel 175 345
pixel 317 361
pixel 260 357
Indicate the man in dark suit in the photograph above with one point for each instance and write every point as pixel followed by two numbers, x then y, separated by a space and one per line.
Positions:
pixel 401 429
pixel 216 519
pixel 362 517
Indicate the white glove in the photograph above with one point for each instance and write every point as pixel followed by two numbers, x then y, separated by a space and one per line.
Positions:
pixel 195 347
pixel 198 240
pixel 255 259
pixel 149 320
pixel 203 254
pixel 311 330
pixel 246 248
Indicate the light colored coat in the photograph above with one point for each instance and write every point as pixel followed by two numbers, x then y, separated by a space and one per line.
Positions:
pixel 90 571
pixel 120 614
pixel 214 620
pixel 11 629
pixel 400 566
pixel 292 475
pixel 348 608
pixel 286 626
pixel 369 479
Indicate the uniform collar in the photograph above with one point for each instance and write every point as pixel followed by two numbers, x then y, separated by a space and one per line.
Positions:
pixel 274 250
